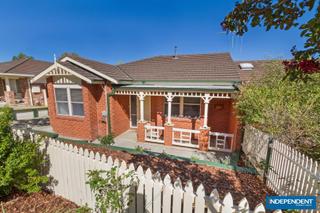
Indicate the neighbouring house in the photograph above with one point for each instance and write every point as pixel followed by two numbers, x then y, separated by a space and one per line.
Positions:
pixel 182 100
pixel 15 87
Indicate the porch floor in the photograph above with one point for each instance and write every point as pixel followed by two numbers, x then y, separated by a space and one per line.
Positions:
pixel 129 140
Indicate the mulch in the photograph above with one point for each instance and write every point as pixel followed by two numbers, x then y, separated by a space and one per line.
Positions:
pixel 239 184
pixel 36 202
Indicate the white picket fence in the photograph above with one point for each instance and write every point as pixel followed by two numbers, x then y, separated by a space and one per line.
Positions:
pixel 290 172
pixel 69 166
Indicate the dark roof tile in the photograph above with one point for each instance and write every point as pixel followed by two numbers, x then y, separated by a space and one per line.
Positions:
pixel 81 71
pixel 24 66
pixel 212 67
pixel 106 69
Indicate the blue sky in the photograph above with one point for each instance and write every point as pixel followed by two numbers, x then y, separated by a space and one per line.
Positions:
pixel 117 31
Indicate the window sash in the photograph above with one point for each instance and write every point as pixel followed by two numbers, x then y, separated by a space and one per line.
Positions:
pixel 181 104
pixel 71 109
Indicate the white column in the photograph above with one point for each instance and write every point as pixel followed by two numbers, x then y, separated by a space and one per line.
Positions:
pixel 45 99
pixel 206 100
pixel 7 82
pixel 30 92
pixel 141 98
pixel 169 100
pixel 181 106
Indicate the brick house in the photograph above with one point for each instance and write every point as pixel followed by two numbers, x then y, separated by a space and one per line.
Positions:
pixel 183 100
pixel 15 87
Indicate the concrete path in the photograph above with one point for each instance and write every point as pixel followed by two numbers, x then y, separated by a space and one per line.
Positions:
pixel 128 140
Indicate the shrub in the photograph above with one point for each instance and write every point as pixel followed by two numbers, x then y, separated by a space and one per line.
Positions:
pixel 107 140
pixel 289 110
pixel 20 160
pixel 111 189
pixel 139 149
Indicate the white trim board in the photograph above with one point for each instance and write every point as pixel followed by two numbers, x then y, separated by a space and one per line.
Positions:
pixel 56 65
pixel 89 69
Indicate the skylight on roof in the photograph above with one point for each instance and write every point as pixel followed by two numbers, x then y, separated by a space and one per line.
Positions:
pixel 246 66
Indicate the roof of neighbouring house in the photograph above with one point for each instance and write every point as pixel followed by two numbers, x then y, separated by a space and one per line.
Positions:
pixel 260 68
pixel 208 67
pixel 25 66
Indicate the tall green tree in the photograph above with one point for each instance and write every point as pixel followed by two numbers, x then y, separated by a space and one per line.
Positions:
pixel 283 15
pixel 288 110
pixel 21 55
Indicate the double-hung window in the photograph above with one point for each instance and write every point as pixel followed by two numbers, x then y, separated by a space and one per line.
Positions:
pixel 184 107
pixel 191 107
pixel 69 100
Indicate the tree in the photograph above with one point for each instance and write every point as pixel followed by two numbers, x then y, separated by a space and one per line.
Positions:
pixel 288 110
pixel 283 15
pixel 20 56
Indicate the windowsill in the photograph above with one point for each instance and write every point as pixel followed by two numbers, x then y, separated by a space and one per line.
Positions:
pixel 175 118
pixel 70 117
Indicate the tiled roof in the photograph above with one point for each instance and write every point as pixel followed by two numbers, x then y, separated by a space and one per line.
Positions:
pixel 260 68
pixel 210 67
pixel 106 69
pixel 24 66
pixel 80 71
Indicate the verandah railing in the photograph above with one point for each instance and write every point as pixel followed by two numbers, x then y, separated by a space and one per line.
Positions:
pixel 185 137
pixel 220 141
pixel 154 133
pixel 189 138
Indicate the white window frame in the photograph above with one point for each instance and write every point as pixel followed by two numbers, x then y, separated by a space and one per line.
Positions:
pixel 181 104
pixel 190 104
pixel 68 87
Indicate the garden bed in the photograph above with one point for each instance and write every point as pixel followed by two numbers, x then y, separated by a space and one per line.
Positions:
pixel 239 184
pixel 36 202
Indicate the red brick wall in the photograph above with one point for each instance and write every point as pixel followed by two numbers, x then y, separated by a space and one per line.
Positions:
pixel 157 107
pixel 219 115
pixel 89 126
pixel 120 114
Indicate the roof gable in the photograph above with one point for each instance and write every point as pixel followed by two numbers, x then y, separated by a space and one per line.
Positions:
pixel 67 68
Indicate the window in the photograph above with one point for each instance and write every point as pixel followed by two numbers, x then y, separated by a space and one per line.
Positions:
pixel 191 107
pixel 69 100
pixel 175 105
pixel 184 107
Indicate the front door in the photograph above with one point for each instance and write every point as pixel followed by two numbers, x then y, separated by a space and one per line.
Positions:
pixel 133 111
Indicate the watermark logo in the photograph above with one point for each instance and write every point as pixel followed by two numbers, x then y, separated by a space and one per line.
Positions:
pixel 291 202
